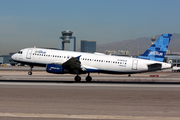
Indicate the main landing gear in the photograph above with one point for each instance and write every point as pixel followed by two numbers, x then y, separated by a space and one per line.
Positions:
pixel 78 78
pixel 30 71
pixel 88 78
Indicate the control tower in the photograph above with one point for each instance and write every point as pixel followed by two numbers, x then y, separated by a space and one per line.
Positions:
pixel 67 38
pixel 153 39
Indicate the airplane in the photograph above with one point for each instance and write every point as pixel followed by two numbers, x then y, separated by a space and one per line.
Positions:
pixel 61 62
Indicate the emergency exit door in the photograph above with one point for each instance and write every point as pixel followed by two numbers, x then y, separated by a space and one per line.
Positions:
pixel 134 64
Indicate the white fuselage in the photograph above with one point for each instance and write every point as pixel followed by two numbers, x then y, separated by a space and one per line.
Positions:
pixel 92 62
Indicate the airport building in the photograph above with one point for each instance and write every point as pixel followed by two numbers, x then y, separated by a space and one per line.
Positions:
pixel 173 58
pixel 6 59
pixel 88 46
pixel 117 53
pixel 67 38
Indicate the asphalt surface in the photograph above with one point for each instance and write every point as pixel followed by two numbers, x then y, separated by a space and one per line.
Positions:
pixel 107 97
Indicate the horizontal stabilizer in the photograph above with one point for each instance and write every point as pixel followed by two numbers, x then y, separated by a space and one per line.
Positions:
pixel 156 66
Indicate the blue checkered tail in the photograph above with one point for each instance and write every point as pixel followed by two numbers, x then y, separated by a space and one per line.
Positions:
pixel 157 50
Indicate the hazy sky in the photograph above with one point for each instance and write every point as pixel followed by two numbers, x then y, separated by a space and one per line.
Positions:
pixel 29 23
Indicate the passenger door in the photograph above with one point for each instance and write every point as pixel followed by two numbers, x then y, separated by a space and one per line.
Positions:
pixel 28 56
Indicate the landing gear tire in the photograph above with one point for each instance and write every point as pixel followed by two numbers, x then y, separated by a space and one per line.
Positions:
pixel 29 73
pixel 77 78
pixel 88 79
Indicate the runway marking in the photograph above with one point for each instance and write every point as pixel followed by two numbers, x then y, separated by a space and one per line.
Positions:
pixel 93 84
pixel 86 116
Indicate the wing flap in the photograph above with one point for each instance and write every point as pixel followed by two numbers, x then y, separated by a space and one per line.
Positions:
pixel 90 69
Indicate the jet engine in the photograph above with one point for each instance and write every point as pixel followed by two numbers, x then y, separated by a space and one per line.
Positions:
pixel 53 68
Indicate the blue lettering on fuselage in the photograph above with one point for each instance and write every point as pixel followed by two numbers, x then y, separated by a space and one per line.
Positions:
pixel 40 52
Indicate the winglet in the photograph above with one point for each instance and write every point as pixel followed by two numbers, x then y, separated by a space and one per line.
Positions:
pixel 78 57
pixel 157 50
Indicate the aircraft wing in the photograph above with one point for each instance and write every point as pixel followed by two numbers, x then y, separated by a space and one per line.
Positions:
pixel 72 63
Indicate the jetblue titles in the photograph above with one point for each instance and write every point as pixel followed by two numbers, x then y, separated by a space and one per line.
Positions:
pixel 40 52
pixel 156 53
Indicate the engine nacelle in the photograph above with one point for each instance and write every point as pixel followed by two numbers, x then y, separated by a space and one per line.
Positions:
pixel 53 68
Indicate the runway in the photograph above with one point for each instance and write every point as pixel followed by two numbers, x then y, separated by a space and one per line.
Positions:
pixel 20 73
pixel 107 97
pixel 89 101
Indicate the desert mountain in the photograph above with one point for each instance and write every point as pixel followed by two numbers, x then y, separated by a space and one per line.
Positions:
pixel 135 46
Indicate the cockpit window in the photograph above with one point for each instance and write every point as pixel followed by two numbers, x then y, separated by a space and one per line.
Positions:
pixel 20 52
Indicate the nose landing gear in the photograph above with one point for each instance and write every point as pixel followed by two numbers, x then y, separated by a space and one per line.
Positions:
pixel 30 71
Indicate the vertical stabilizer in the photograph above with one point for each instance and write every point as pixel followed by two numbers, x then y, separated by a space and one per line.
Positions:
pixel 157 50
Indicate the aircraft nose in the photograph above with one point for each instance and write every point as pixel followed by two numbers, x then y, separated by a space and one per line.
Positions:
pixel 13 57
